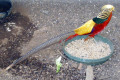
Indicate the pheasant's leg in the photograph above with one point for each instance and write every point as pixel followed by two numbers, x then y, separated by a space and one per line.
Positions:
pixel 88 38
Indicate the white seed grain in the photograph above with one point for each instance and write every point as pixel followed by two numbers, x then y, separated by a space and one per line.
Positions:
pixel 89 49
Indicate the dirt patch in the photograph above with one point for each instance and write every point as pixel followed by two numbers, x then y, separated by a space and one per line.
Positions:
pixel 53 18
pixel 15 30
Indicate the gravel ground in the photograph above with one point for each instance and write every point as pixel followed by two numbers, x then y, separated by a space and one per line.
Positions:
pixel 36 21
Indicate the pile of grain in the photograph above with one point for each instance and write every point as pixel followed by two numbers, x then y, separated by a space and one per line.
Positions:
pixel 89 49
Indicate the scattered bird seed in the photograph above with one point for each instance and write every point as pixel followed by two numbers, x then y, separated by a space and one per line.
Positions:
pixel 90 49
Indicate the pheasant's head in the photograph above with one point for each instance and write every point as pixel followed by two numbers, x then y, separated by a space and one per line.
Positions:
pixel 108 8
pixel 105 11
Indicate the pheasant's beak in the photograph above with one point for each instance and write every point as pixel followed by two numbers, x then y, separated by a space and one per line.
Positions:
pixel 114 9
